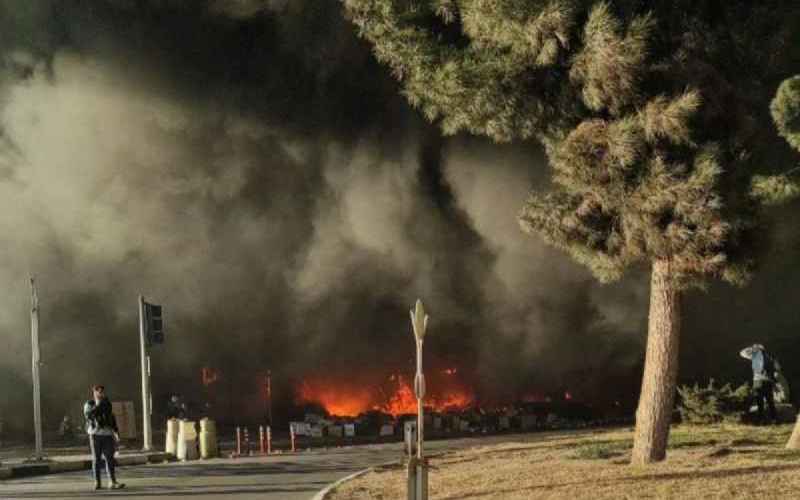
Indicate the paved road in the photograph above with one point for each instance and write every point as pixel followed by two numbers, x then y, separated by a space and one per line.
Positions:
pixel 284 477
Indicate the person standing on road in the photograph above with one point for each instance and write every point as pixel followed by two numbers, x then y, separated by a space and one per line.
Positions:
pixel 101 426
pixel 764 370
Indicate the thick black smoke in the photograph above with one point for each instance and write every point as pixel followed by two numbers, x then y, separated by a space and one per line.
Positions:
pixel 251 167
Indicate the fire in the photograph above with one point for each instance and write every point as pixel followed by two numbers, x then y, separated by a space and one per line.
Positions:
pixel 403 401
pixel 337 400
pixel 347 400
pixel 209 375
pixel 453 401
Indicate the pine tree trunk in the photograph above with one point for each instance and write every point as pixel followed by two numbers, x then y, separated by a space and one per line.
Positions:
pixel 794 439
pixel 654 413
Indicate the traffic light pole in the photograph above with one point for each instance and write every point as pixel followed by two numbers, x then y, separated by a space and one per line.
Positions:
pixel 146 399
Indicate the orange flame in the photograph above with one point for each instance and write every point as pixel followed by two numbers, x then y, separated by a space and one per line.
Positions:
pixel 345 400
pixel 209 375
pixel 340 401
pixel 403 401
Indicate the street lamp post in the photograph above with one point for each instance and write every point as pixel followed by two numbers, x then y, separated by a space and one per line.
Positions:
pixel 417 466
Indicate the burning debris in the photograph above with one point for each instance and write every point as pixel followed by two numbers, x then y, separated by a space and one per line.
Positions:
pixel 345 409
pixel 394 396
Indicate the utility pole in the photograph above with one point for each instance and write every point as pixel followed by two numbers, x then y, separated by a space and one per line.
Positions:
pixel 35 363
pixel 146 397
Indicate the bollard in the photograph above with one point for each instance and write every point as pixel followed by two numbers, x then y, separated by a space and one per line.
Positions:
pixel 239 441
pixel 208 439
pixel 291 437
pixel 171 446
pixel 410 437
pixel 269 440
pixel 187 441
pixel 246 441
pixel 262 440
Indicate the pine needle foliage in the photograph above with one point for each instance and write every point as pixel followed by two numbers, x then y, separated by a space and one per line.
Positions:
pixel 713 404
pixel 785 110
pixel 652 114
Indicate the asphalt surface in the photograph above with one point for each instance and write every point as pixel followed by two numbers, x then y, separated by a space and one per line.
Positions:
pixel 287 476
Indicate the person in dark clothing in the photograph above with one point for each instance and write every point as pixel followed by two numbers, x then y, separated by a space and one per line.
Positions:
pixel 764 376
pixel 101 426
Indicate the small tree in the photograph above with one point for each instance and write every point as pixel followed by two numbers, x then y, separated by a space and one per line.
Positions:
pixel 712 404
pixel 652 118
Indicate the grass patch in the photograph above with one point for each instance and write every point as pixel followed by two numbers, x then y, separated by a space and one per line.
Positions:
pixel 781 455
pixel 685 440
pixel 601 450
pixel 718 462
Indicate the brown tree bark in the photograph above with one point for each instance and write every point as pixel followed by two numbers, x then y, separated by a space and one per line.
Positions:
pixel 654 414
pixel 794 439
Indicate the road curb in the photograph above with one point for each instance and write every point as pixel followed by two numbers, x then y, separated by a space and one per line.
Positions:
pixel 323 493
pixel 27 470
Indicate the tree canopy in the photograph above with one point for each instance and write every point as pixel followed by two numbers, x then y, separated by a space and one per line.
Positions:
pixel 655 116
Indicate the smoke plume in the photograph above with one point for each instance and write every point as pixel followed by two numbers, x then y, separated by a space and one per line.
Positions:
pixel 250 166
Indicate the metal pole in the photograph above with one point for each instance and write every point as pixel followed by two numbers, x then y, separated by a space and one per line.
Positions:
pixel 420 417
pixel 35 362
pixel 269 396
pixel 265 396
pixel 418 468
pixel 239 441
pixel 146 429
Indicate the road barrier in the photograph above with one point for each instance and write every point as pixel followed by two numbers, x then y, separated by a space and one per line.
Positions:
pixel 171 445
pixel 208 439
pixel 187 441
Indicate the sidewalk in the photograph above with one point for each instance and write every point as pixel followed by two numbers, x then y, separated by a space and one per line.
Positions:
pixel 15 462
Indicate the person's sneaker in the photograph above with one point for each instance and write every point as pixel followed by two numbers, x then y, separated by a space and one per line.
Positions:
pixel 116 486
pixel 97 486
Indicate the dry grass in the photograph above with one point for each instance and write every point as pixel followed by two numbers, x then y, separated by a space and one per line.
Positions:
pixel 726 461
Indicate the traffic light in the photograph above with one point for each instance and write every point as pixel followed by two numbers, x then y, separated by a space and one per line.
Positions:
pixel 155 324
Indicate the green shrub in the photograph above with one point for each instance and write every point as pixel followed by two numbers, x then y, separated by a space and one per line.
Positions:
pixel 712 404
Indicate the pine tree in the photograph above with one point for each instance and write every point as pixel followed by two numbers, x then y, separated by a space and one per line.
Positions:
pixel 785 110
pixel 652 116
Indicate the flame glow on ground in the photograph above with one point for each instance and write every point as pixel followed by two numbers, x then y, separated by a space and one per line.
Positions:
pixel 395 397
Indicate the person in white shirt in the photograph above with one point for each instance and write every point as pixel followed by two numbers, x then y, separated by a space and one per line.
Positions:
pixel 764 368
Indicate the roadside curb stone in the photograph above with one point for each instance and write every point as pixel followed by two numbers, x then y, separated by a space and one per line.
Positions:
pixel 54 467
